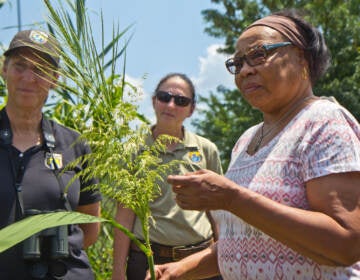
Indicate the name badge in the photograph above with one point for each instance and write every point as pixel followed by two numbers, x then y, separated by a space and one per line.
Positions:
pixel 51 159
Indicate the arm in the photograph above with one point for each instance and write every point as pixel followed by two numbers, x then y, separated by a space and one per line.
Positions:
pixel 334 205
pixel 338 198
pixel 91 231
pixel 333 217
pixel 197 266
pixel 125 217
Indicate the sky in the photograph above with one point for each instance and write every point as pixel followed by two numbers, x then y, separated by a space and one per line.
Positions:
pixel 167 36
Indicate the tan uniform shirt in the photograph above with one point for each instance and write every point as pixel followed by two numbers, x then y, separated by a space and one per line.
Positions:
pixel 172 225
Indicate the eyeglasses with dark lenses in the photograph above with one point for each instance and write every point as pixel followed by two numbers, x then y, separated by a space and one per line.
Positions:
pixel 253 57
pixel 179 100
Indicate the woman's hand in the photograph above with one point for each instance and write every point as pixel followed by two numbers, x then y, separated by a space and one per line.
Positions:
pixel 200 265
pixel 202 190
pixel 167 271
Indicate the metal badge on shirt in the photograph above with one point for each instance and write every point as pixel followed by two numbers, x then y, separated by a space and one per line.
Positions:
pixel 195 156
pixel 50 158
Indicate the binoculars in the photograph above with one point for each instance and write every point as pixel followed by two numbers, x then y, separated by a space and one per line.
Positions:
pixel 51 242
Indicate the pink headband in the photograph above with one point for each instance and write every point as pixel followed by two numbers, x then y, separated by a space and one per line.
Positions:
pixel 285 26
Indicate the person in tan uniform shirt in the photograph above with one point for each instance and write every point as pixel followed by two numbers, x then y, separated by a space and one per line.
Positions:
pixel 173 102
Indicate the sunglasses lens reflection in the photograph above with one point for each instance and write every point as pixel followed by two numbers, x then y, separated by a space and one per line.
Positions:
pixel 179 100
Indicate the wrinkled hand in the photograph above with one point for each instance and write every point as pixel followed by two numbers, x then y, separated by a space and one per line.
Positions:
pixel 202 190
pixel 168 271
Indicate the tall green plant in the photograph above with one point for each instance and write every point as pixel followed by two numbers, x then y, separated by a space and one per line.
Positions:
pixel 95 99
pixel 129 169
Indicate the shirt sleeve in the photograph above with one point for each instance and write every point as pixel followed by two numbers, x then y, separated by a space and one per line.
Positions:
pixel 331 145
pixel 88 196
pixel 213 159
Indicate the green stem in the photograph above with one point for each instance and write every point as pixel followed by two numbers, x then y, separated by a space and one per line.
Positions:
pixel 150 256
pixel 146 248
pixel 151 266
pixel 132 237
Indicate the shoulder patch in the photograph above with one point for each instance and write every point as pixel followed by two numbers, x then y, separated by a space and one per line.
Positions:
pixel 195 156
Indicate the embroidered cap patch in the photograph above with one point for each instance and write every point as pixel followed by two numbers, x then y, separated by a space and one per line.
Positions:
pixel 38 37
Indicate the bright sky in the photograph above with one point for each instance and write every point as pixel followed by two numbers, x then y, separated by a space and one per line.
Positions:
pixel 168 36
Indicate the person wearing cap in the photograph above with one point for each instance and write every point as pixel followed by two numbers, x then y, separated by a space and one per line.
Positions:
pixel 288 206
pixel 33 153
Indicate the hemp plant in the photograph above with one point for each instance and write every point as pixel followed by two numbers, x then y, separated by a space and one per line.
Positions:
pixel 95 99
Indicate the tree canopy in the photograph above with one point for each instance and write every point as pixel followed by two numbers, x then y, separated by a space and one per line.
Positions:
pixel 227 115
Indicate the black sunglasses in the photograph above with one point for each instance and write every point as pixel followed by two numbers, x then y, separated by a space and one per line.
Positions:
pixel 179 100
pixel 253 57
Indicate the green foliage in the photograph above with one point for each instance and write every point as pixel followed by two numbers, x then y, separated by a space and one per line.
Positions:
pixel 340 23
pixel 98 104
pixel 100 253
pixel 2 2
pixel 86 74
pixel 93 97
pixel 23 229
pixel 19 231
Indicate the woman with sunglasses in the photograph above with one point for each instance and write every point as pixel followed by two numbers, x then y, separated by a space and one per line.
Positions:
pixel 175 233
pixel 289 204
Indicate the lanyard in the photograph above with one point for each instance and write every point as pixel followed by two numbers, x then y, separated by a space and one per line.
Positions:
pixel 50 145
pixel 18 171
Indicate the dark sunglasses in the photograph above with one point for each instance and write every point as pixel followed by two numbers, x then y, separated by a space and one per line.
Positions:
pixel 253 57
pixel 179 100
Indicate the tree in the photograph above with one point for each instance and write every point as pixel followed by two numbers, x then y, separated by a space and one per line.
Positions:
pixel 340 23
pixel 230 115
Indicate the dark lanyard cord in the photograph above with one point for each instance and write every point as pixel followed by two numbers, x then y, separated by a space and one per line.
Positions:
pixel 50 145
pixel 18 176
pixel 49 139
pixel 56 170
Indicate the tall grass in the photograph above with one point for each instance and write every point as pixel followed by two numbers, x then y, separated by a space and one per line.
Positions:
pixel 94 98
pixel 96 102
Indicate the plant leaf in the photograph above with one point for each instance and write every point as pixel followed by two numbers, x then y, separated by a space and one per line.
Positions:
pixel 19 231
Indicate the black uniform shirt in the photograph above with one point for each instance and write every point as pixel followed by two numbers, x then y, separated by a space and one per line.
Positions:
pixel 41 190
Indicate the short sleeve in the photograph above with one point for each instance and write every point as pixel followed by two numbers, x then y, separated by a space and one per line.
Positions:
pixel 88 196
pixel 331 145
pixel 213 159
